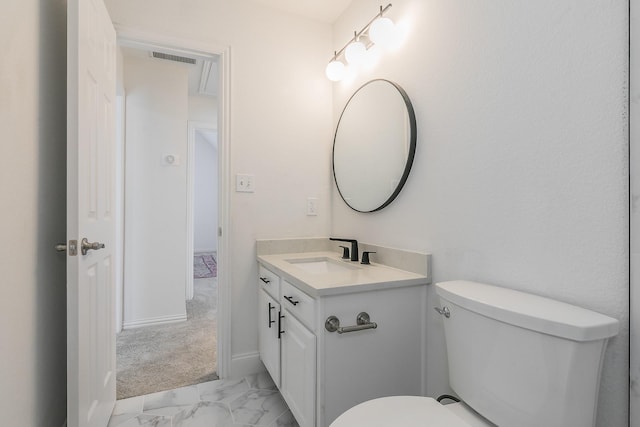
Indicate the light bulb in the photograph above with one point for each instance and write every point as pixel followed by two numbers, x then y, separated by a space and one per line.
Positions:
pixel 382 31
pixel 335 70
pixel 355 52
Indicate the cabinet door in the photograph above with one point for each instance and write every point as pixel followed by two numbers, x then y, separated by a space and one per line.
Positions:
pixel 299 370
pixel 269 344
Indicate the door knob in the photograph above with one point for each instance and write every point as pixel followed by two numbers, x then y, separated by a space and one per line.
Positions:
pixel 86 246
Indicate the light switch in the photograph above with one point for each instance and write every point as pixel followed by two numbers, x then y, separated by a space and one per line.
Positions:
pixel 245 183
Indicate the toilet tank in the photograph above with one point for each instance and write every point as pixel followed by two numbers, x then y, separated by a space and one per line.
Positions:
pixel 523 360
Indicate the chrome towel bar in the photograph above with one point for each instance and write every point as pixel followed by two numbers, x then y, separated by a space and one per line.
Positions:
pixel 363 321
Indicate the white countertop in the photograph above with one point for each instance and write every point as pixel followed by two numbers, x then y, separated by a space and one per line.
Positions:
pixel 358 278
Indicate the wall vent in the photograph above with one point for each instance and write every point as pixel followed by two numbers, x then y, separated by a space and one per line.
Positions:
pixel 175 58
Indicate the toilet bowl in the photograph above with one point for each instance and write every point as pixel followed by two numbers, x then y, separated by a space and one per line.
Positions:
pixel 506 350
pixel 410 411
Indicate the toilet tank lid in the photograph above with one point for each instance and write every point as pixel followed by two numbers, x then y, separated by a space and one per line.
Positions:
pixel 529 311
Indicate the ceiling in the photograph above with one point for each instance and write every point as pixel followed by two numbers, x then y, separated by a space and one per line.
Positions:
pixel 203 75
pixel 326 11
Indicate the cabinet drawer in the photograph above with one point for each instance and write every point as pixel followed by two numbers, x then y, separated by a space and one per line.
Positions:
pixel 301 305
pixel 269 281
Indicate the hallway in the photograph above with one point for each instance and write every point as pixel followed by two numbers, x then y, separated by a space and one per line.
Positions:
pixel 163 357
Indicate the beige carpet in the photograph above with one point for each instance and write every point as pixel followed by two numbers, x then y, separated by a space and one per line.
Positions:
pixel 163 357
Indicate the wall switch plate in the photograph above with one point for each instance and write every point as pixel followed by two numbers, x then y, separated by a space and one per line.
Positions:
pixel 245 183
pixel 312 206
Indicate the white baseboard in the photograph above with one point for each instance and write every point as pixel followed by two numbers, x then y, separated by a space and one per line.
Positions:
pixel 245 364
pixel 154 321
pixel 197 251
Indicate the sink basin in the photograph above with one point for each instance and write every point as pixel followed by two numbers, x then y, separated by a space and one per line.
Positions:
pixel 321 265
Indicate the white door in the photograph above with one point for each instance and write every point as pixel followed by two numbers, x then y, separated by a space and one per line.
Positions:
pixel 90 202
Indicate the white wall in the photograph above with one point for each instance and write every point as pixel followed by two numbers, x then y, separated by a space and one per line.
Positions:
pixel 205 203
pixel 32 189
pixel 203 109
pixel 280 126
pixel 155 205
pixel 520 175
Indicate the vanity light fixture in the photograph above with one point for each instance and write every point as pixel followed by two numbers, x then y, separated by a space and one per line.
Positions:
pixel 363 47
pixel 355 51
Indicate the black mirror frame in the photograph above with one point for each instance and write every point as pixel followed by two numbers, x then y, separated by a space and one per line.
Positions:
pixel 412 145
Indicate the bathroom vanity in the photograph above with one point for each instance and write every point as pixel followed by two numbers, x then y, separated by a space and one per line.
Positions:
pixel 334 333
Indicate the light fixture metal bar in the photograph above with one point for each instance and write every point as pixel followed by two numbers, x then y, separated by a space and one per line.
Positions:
pixel 337 54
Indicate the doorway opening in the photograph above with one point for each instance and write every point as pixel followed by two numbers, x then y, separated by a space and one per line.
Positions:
pixel 171 295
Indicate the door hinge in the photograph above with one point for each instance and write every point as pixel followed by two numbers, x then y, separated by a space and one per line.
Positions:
pixel 219 231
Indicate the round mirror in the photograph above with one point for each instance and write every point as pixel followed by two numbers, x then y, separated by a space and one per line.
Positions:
pixel 374 145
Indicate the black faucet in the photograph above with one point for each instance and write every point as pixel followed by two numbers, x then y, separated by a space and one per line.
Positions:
pixel 354 246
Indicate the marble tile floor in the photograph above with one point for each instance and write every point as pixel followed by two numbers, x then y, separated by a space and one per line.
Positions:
pixel 250 401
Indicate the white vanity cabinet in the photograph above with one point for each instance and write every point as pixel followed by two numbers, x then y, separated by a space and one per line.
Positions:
pixel 298 370
pixel 268 312
pixel 269 321
pixel 322 373
pixel 298 353
pixel 288 346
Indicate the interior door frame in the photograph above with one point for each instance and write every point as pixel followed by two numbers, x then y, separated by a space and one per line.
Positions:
pixel 634 215
pixel 132 37
pixel 193 127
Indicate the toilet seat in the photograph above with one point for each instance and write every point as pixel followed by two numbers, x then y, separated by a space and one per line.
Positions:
pixel 401 411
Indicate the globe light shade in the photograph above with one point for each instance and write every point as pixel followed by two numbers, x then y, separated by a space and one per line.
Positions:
pixel 355 52
pixel 335 70
pixel 382 31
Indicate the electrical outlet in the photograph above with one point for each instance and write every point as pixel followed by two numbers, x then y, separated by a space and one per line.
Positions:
pixel 312 206
pixel 245 183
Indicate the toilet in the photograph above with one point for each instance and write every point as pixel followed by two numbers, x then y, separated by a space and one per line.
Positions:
pixel 515 360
